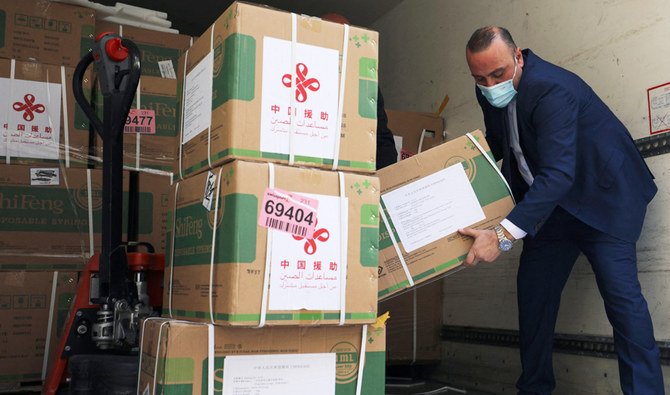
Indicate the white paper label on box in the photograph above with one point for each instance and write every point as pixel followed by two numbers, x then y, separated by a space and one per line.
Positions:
pixel 31 118
pixel 45 176
pixel 280 374
pixel 210 184
pixel 433 207
pixel 167 69
pixel 305 271
pixel 198 98
pixel 398 146
pixel 315 97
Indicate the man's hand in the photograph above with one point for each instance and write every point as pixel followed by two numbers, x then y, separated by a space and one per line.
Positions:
pixel 485 247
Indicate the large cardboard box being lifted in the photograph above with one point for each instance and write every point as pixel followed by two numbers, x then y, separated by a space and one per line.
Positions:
pixel 310 276
pixel 45 31
pixel 415 132
pixel 427 199
pixel 243 96
pixel 289 360
pixel 33 310
pixel 45 211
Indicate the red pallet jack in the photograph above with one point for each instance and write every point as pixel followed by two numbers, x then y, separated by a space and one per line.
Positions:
pixel 98 350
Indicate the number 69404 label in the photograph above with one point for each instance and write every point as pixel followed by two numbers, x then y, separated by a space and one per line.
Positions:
pixel 288 212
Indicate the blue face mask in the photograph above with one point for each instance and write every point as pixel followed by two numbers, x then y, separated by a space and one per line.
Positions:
pixel 499 95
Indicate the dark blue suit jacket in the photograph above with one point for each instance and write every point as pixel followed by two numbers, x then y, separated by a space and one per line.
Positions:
pixel 581 156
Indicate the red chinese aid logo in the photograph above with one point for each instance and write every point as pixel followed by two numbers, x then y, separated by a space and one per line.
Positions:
pixel 302 82
pixel 28 107
pixel 310 244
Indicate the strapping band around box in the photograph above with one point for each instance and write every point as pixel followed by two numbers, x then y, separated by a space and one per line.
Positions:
pixel 340 105
pixel 139 365
pixel 292 109
pixel 183 116
pixel 491 162
pixel 66 118
pixel 211 93
pixel 47 343
pixel 138 135
pixel 172 248
pixel 344 241
pixel 268 257
pixel 12 69
pixel 396 246
pixel 213 254
pixel 361 360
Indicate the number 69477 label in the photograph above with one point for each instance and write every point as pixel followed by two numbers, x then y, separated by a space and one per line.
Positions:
pixel 288 212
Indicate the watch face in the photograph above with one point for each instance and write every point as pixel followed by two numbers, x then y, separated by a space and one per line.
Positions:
pixel 505 245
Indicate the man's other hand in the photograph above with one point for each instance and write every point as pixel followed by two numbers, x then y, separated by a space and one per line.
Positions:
pixel 484 248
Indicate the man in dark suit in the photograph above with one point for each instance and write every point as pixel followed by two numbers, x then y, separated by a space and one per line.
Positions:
pixel 581 186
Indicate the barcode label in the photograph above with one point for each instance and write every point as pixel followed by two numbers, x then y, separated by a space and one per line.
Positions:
pixel 137 129
pixel 286 227
pixel 167 69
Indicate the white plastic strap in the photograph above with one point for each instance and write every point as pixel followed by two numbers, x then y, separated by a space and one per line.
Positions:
pixel 121 30
pixel 396 246
pixel 64 83
pixel 292 110
pixel 139 366
pixel 268 257
pixel 158 350
pixel 209 128
pixel 420 147
pixel 210 359
pixel 89 187
pixel 174 229
pixel 491 162
pixel 138 135
pixel 340 105
pixel 8 131
pixel 183 116
pixel 213 254
pixel 52 304
pixel 344 223
pixel 414 314
pixel 361 360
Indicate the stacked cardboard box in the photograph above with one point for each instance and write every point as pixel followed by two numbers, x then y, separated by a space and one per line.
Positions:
pixel 33 310
pixel 243 98
pixel 451 186
pixel 415 132
pixel 292 250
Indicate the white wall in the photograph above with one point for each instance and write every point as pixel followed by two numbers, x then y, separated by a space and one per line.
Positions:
pixel 621 48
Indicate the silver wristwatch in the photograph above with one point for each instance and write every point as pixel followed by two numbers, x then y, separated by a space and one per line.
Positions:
pixel 504 244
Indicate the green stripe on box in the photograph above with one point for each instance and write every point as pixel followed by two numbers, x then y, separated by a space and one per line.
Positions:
pixel 275 316
pixel 19 377
pixel 3 25
pixel 178 370
pixel 87 39
pixel 156 54
pixel 234 69
pixel 174 389
pixel 436 269
pixel 370 214
pixel 487 184
pixel 367 68
pixel 369 247
pixel 367 99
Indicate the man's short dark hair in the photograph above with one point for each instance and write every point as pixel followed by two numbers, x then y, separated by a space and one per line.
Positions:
pixel 484 36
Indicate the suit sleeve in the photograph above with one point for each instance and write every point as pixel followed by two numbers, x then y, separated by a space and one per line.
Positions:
pixel 554 120
pixel 386 152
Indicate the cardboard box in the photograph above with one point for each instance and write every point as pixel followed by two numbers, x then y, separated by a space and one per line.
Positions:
pixel 183 365
pixel 45 125
pixel 45 211
pixel 431 198
pixel 306 274
pixel 45 31
pixel 154 47
pixel 415 132
pixel 33 310
pixel 250 91
pixel 415 325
